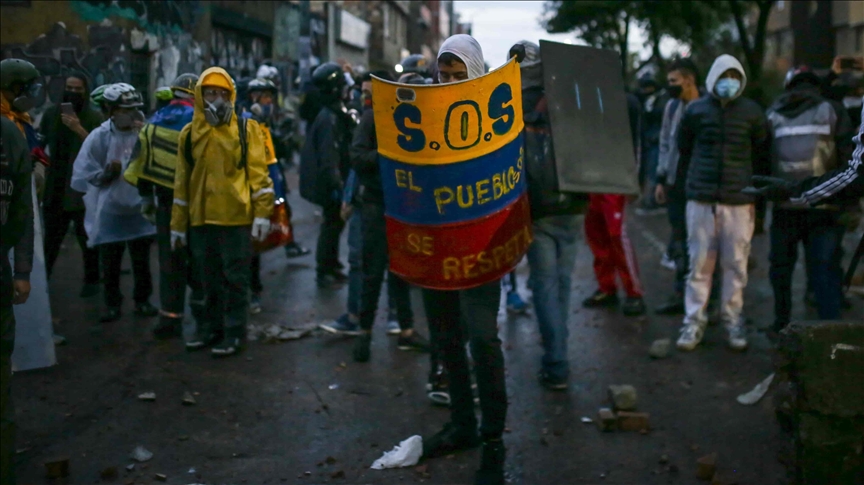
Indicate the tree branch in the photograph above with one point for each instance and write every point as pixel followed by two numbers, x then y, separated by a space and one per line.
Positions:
pixel 744 38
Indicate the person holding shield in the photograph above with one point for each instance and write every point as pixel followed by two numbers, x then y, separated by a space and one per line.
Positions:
pixel 475 311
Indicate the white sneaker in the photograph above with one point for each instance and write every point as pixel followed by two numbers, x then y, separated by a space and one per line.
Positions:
pixel 393 326
pixel 691 335
pixel 737 337
pixel 667 262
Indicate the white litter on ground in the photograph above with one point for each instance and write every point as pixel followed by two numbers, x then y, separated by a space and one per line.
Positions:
pixel 752 397
pixel 406 453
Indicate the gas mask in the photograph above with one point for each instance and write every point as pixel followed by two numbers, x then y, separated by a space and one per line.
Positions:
pixel 218 112
pixel 126 121
pixel 262 112
pixel 26 98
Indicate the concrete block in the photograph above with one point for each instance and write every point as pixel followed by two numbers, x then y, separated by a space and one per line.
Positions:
pixel 606 419
pixel 629 421
pixel 624 398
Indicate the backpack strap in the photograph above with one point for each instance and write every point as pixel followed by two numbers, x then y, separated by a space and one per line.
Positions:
pixel 188 150
pixel 241 126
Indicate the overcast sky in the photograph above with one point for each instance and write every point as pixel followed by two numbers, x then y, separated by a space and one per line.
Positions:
pixel 500 24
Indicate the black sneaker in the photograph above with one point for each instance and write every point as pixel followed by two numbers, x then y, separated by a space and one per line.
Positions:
pixel 168 327
pixel 491 470
pixel 633 306
pixel 230 345
pixel 415 341
pixel 451 439
pixel 600 299
pixel 673 306
pixel 550 382
pixel 362 351
pixel 89 289
pixel 328 281
pixel 202 339
pixel 112 314
pixel 145 309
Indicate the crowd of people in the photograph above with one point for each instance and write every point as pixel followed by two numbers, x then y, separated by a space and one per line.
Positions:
pixel 201 177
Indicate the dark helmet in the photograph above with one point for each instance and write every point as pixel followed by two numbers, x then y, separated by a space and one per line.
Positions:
pixel 412 78
pixel 415 63
pixel 259 84
pixel 185 83
pixel 17 71
pixel 797 75
pixel 122 95
pixel 329 79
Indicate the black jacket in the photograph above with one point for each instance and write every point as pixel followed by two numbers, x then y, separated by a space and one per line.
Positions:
pixel 16 202
pixel 324 160
pixel 63 145
pixel 721 148
pixel 540 167
pixel 364 159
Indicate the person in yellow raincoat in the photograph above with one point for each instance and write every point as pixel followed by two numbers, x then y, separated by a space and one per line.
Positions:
pixel 222 193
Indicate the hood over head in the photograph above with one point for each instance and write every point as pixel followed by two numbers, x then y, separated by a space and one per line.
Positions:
pixel 802 97
pixel 721 65
pixel 468 49
pixel 208 140
pixel 531 67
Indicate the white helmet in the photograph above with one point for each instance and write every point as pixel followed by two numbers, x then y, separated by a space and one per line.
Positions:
pixel 122 95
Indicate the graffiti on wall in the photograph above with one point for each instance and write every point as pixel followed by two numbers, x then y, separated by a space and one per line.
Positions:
pixel 239 54
pixel 152 16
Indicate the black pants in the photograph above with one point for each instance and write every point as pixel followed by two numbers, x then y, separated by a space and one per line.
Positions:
pixel 374 265
pixel 222 259
pixel 112 258
pixel 175 269
pixel 451 314
pixel 7 412
pixel 57 222
pixel 255 275
pixel 327 252
pixel 676 210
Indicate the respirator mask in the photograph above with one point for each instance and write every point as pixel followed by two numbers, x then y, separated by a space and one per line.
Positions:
pixel 218 112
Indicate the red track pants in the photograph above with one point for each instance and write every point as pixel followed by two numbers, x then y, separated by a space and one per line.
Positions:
pixel 607 238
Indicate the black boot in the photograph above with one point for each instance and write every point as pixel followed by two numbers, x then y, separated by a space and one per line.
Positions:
pixel 451 439
pixel 600 299
pixel 362 344
pixel 235 338
pixel 491 470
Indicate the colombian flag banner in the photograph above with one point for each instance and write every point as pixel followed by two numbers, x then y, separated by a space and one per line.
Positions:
pixel 452 169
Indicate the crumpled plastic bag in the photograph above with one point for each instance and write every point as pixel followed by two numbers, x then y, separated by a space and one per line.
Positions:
pixel 406 453
pixel 752 397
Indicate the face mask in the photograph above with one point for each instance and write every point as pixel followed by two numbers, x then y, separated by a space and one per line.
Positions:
pixel 126 121
pixel 77 100
pixel 727 88
pixel 853 101
pixel 675 90
pixel 26 100
pixel 217 112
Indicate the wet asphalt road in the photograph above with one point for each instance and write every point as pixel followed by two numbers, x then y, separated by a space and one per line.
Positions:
pixel 303 412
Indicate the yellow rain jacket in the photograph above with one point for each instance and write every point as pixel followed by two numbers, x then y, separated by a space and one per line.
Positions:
pixel 214 189
pixel 269 150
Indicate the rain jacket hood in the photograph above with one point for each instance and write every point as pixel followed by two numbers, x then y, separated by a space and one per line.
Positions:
pixel 214 140
pixel 721 65
pixel 468 49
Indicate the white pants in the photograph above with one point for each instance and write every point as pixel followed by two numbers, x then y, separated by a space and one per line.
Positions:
pixel 717 231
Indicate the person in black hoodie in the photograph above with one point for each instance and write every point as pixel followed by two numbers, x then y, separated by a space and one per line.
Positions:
pixel 552 254
pixel 64 133
pixel 810 135
pixel 324 167
pixel 364 157
pixel 722 141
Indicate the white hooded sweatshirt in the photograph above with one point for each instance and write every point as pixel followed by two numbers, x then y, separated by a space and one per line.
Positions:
pixel 721 65
pixel 468 49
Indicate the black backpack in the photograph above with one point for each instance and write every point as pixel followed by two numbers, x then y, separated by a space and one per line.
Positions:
pixel 241 128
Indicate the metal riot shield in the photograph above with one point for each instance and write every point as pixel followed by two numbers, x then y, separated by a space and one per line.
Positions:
pixel 452 170
pixel 590 124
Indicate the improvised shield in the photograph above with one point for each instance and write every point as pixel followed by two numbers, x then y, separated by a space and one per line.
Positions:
pixel 451 160
pixel 590 124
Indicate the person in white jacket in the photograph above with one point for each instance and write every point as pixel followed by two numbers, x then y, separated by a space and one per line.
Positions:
pixel 113 220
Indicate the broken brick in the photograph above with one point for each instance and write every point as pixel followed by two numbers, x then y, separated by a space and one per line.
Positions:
pixel 629 421
pixel 606 419
pixel 706 467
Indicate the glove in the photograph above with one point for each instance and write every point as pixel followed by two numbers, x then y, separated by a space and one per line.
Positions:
pixel 178 240
pixel 260 229
pixel 39 177
pixel 148 209
pixel 772 188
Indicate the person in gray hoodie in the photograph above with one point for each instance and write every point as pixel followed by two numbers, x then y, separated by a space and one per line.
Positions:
pixel 722 142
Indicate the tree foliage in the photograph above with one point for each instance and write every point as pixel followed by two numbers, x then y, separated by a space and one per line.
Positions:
pixel 707 26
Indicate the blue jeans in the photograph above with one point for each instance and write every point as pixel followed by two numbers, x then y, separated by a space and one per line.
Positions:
pixel 355 261
pixel 822 235
pixel 551 257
